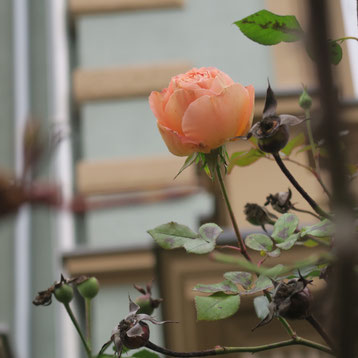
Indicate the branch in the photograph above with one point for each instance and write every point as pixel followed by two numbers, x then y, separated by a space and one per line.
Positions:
pixel 227 350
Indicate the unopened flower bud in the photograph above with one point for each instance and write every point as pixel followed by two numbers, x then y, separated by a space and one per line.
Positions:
pixel 88 288
pixel 64 293
pixel 305 100
pixel 258 215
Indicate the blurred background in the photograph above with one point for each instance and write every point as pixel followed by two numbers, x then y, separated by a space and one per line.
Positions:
pixel 86 67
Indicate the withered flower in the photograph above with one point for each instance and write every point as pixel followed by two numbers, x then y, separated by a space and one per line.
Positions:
pixel 272 131
pixel 258 215
pixel 132 332
pixel 281 201
pixel 290 300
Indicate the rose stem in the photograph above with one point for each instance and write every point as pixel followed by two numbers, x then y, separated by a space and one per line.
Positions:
pixel 316 325
pixel 254 349
pixel 88 321
pixel 305 211
pixel 293 181
pixel 77 326
pixel 231 213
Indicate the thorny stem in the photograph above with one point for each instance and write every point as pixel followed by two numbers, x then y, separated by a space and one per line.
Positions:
pixel 288 328
pixel 231 213
pixel 311 140
pixel 316 325
pixel 77 326
pixel 293 181
pixel 253 349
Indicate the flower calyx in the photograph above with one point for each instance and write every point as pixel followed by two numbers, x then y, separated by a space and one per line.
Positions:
pixel 272 131
pixel 290 300
pixel 259 215
pixel 132 332
pixel 146 302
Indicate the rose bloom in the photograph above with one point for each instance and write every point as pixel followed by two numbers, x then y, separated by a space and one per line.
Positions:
pixel 201 110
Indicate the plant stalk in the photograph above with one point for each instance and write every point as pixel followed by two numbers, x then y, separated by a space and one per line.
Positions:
pixel 77 326
pixel 231 213
pixel 88 321
pixel 293 181
pixel 317 326
pixel 228 350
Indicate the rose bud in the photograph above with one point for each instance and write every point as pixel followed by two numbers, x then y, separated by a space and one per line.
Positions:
pixel 88 288
pixel 64 293
pixel 305 100
pixel 272 131
pixel 201 110
pixel 146 302
pixel 258 215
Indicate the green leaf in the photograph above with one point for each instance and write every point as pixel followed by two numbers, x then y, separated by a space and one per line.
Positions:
pixel 145 353
pixel 245 158
pixel 261 306
pixel 322 229
pixel 240 277
pixel 275 271
pixel 188 162
pixel 267 28
pixel 217 306
pixel 259 242
pixel 308 271
pixel 225 286
pixel 294 143
pixel 305 149
pixel 336 52
pixel 173 235
pixel 288 243
pixel 105 355
pixel 274 253
pixel 262 283
pixel 284 227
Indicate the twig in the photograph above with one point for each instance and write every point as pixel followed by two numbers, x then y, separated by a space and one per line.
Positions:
pixel 293 181
pixel 228 350
pixel 316 325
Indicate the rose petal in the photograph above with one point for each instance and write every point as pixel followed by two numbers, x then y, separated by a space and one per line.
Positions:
pixel 176 107
pixel 157 104
pixel 178 144
pixel 247 113
pixel 213 120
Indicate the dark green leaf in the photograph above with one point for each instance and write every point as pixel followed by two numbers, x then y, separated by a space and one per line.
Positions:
pixel 336 52
pixel 240 277
pixel 188 162
pixel 217 306
pixel 288 243
pixel 284 227
pixel 259 242
pixel 243 159
pixel 105 355
pixel 267 28
pixel 225 286
pixel 145 353
pixel 322 229
pixel 261 306
pixel 293 143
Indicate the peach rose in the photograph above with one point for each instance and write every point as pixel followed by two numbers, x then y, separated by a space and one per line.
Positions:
pixel 201 110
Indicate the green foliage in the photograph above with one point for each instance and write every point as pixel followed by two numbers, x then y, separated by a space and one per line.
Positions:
pixel 145 353
pixel 217 306
pixel 173 235
pixel 240 277
pixel 259 242
pixel 261 306
pixel 244 158
pixel 322 229
pixel 225 286
pixel 289 242
pixel 284 227
pixel 294 143
pixel 191 159
pixel 267 28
